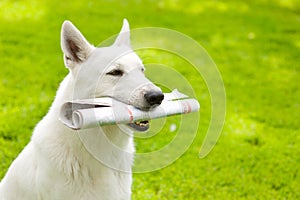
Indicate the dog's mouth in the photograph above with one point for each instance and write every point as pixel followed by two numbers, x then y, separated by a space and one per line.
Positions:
pixel 140 126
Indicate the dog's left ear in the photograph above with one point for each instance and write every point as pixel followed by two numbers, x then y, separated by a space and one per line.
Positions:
pixel 123 38
pixel 75 47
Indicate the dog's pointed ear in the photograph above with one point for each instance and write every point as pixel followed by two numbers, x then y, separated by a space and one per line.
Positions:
pixel 75 47
pixel 123 38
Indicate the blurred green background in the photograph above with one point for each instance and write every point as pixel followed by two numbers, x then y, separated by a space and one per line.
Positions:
pixel 256 46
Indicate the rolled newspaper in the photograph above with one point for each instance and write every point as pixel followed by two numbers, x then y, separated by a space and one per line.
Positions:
pixel 88 113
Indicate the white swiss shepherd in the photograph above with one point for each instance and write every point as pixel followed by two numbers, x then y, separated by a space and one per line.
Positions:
pixel 55 164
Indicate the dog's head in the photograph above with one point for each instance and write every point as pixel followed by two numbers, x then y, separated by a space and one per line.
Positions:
pixel 115 71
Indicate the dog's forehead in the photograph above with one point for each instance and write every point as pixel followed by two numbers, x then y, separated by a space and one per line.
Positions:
pixel 129 60
pixel 122 57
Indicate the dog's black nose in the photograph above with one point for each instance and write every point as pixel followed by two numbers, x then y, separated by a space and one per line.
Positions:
pixel 154 97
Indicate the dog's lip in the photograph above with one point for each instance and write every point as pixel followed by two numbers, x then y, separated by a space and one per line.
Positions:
pixel 140 126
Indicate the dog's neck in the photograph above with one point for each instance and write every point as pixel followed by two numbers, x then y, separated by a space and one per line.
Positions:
pixel 109 145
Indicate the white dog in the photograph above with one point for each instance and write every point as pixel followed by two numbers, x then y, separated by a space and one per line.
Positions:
pixel 57 164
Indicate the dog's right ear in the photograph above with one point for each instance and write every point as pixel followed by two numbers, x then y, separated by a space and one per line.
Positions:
pixel 123 38
pixel 75 47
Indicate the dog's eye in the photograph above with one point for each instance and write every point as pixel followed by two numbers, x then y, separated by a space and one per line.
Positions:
pixel 116 72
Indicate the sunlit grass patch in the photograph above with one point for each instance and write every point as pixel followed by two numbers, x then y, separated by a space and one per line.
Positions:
pixel 11 10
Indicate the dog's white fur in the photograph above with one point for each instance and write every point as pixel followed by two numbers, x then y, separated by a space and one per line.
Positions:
pixel 55 164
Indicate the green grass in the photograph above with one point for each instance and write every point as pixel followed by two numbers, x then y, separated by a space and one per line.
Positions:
pixel 256 46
